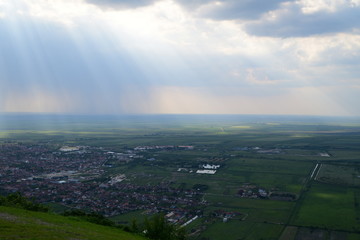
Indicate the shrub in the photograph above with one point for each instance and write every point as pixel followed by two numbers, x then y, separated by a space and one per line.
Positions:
pixel 18 201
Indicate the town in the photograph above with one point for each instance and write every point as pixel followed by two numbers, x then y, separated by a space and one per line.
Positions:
pixel 75 177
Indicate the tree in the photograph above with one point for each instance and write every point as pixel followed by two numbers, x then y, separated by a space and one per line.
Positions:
pixel 18 201
pixel 134 226
pixel 92 217
pixel 157 228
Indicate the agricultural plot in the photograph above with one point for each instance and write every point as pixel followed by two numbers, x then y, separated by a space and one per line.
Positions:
pixel 255 210
pixel 263 178
pixel 329 207
pixel 303 233
pixel 242 230
pixel 289 233
pixel 339 174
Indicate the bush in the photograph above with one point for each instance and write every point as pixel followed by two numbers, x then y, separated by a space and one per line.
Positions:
pixel 157 228
pixel 18 201
pixel 90 217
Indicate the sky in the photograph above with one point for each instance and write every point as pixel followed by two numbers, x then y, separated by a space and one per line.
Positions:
pixel 180 57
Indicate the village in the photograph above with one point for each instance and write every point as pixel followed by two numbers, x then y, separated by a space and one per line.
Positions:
pixel 77 177
pixel 74 178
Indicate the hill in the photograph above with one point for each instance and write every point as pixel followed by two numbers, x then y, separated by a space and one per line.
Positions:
pixel 17 223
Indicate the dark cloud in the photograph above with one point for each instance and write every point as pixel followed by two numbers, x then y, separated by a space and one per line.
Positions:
pixel 241 9
pixel 226 10
pixel 231 9
pixel 118 4
pixel 292 22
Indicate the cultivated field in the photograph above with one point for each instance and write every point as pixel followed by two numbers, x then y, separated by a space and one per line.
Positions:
pixel 278 178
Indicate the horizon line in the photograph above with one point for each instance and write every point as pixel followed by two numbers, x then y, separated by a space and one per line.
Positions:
pixel 171 114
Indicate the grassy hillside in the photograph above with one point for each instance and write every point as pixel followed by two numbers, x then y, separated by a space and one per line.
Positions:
pixel 21 224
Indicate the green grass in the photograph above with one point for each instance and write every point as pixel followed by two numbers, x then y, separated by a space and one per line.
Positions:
pixel 353 236
pixel 256 209
pixel 339 175
pixel 265 231
pixel 56 208
pixel 127 218
pixel 22 224
pixel 231 230
pixel 235 229
pixel 328 206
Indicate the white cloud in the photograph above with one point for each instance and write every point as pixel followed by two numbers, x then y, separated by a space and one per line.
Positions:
pixel 310 7
pixel 121 4
pixel 163 58
pixel 64 12
pixel 305 18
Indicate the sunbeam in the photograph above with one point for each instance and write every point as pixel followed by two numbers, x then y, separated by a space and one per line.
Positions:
pixel 165 56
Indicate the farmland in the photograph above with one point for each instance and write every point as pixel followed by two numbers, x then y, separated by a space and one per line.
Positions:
pixel 279 178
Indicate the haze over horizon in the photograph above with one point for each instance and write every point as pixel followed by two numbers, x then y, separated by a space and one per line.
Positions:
pixel 180 57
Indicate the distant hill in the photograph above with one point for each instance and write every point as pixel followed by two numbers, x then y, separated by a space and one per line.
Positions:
pixel 17 223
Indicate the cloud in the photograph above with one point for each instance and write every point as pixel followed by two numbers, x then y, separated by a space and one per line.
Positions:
pixel 282 18
pixel 121 4
pixel 171 59
pixel 193 4
pixel 239 10
pixel 216 10
pixel 230 9
pixel 273 18
pixel 293 20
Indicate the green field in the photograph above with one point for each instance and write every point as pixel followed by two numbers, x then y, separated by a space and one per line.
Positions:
pixel 330 207
pixel 242 230
pixel 278 156
pixel 339 174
